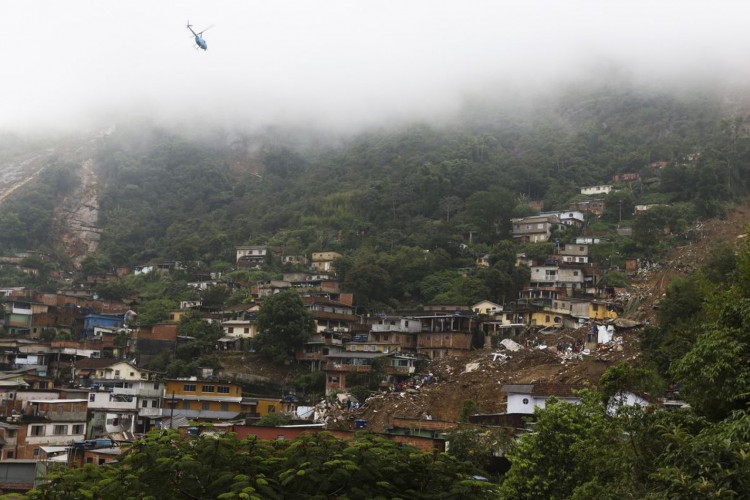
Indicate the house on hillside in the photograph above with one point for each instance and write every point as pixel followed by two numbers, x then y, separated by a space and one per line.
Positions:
pixel 569 218
pixel 596 190
pixel 48 422
pixel 323 261
pixel 524 398
pixel 534 229
pixel 252 256
pixel 627 177
pixel 574 254
pixel 92 321
pixel 330 315
pixel 486 307
pixel 209 400
pixel 444 335
pixel 570 278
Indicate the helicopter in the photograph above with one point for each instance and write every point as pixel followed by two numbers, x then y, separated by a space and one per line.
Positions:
pixel 199 41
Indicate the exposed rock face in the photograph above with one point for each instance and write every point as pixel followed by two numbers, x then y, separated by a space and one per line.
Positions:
pixel 77 216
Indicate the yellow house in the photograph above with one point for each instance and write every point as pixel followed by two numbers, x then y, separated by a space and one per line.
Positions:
pixel 546 318
pixel 256 407
pixel 176 315
pixel 212 400
pixel 202 399
pixel 602 310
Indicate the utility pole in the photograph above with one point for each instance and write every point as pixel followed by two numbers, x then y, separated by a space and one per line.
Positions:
pixel 171 410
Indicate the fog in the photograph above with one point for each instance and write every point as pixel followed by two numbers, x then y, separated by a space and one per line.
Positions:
pixel 341 64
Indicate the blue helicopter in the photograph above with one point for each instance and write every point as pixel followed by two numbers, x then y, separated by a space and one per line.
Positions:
pixel 199 41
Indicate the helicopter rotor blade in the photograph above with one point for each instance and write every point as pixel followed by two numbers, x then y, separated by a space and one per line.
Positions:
pixel 206 29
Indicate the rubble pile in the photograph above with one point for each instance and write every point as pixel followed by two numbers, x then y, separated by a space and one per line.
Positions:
pixel 479 376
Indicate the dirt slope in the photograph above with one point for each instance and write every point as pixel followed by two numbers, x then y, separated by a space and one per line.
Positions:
pixel 649 286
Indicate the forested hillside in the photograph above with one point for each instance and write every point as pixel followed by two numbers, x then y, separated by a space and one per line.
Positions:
pixel 407 206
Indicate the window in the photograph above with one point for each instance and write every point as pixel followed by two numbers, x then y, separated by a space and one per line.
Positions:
pixel 205 405
pixel 117 373
pixel 208 388
pixel 156 385
pixel 78 428
pixel 9 455
pixel 154 403
pixel 223 389
pixel 144 403
pixel 35 452
pixel 60 430
pixel 188 387
pixel 246 330
pixel 186 405
pixel 37 430
pixel 132 374
pixel 89 460
pixel 224 406
pixel 230 329
pixel 92 397
pixel 354 347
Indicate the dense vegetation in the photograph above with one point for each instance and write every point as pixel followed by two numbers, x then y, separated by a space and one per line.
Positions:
pixel 167 465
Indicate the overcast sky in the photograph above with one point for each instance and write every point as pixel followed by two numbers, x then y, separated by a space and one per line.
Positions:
pixel 342 62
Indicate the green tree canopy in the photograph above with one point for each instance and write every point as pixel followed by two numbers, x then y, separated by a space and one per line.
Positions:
pixel 168 465
pixel 283 325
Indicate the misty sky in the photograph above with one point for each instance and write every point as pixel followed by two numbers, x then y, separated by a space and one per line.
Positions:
pixel 338 63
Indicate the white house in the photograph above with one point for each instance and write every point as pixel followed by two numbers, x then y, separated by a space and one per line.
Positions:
pixel 594 190
pixel 486 307
pixel 524 398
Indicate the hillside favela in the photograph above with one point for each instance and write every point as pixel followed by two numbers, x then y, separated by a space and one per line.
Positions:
pixel 303 255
